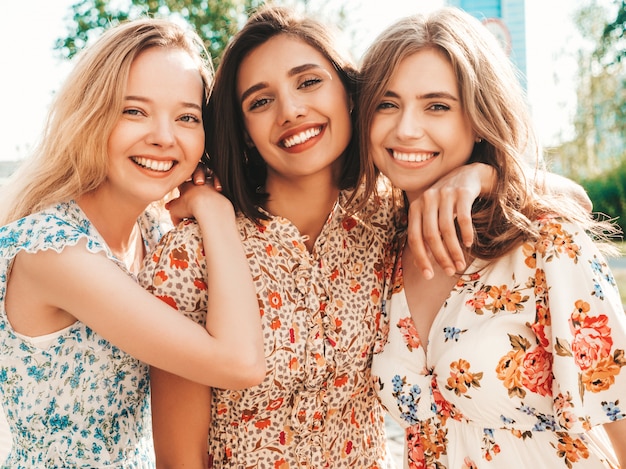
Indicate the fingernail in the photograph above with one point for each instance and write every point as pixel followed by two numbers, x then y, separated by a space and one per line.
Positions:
pixel 427 273
pixel 449 271
pixel 460 266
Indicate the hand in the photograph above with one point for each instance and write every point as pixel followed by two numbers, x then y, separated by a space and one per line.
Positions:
pixel 193 198
pixel 203 174
pixel 434 216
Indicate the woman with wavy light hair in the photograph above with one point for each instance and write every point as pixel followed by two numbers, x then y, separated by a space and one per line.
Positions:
pixel 511 361
pixel 76 330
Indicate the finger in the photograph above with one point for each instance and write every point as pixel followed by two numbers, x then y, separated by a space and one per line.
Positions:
pixel 432 231
pixel 217 184
pixel 464 218
pixel 447 228
pixel 198 176
pixel 416 242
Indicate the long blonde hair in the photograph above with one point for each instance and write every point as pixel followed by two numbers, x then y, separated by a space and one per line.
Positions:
pixel 71 157
pixel 495 103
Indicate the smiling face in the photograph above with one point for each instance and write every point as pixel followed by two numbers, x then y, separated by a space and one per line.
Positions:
pixel 295 108
pixel 420 131
pixel 159 138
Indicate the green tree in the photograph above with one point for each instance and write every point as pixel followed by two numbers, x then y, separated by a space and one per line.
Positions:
pixel 599 124
pixel 215 20
pixel 613 45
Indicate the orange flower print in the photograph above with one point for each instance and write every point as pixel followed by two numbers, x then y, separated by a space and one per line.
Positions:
pixel 581 309
pixel 263 423
pixel 537 375
pixel 200 284
pixel 341 380
pixel 478 302
pixel 409 333
pixel 354 286
pixel 156 254
pixel 592 339
pixel 509 370
pixel 530 255
pixel 275 323
pixel 275 300
pixel 281 464
pixel 461 379
pixel 159 278
pixel 571 449
pixel 415 451
pixel 271 250
pixel 375 296
pixel 179 259
pixel 275 404
pixel 602 376
pixel 505 300
pixel 541 285
pixel 540 332
pixel 294 364
pixel 168 300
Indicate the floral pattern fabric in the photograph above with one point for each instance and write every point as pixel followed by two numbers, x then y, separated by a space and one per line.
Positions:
pixel 316 407
pixel 524 357
pixel 80 402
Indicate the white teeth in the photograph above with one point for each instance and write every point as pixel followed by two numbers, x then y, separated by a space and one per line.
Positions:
pixel 154 165
pixel 301 137
pixel 413 157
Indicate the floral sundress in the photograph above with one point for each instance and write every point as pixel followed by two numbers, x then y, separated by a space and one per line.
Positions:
pixel 80 402
pixel 525 356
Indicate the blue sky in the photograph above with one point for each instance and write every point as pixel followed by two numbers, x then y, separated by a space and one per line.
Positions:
pixel 32 70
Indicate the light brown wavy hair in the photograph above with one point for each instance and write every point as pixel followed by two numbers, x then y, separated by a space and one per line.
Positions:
pixel 494 101
pixel 71 158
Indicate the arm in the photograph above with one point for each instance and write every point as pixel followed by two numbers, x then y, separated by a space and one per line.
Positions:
pixel 616 432
pixel 181 415
pixel 432 218
pixel 181 408
pixel 230 356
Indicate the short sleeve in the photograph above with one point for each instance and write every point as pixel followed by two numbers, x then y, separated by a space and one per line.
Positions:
pixel 175 271
pixel 584 324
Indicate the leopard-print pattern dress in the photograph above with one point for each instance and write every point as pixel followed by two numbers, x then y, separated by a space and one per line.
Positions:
pixel 316 407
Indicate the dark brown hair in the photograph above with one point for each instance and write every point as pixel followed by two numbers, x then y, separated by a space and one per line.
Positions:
pixel 241 169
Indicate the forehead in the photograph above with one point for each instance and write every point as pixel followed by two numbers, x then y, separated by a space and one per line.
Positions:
pixel 425 68
pixel 276 57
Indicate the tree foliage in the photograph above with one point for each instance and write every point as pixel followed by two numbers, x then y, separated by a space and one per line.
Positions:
pixel 613 44
pixel 599 141
pixel 215 20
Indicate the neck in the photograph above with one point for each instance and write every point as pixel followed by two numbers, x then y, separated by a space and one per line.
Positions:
pixel 116 221
pixel 305 202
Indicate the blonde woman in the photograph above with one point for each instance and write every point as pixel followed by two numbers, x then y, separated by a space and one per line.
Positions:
pixel 76 330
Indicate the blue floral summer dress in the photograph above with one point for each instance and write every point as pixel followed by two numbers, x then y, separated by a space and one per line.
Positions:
pixel 525 356
pixel 80 402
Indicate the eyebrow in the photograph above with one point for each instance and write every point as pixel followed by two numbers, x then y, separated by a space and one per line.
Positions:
pixel 292 72
pixel 146 100
pixel 431 95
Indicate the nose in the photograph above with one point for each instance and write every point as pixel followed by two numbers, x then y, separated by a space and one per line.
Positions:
pixel 161 132
pixel 409 126
pixel 290 108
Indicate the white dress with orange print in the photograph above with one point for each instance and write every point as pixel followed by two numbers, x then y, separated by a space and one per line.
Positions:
pixel 524 357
